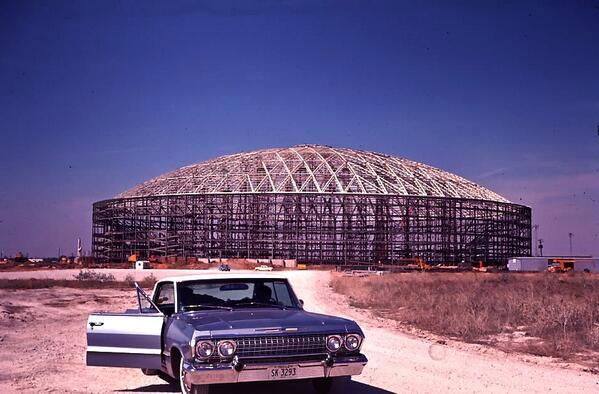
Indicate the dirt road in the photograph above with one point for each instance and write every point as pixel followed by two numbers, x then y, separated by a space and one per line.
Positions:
pixel 42 341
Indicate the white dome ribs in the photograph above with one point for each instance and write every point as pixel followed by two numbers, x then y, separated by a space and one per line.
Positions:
pixel 313 169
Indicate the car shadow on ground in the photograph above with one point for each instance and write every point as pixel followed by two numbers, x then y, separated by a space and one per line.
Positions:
pixel 346 386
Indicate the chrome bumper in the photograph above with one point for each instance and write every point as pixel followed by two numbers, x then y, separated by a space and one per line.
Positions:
pixel 198 374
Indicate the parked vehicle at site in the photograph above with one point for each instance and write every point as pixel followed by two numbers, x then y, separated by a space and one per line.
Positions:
pixel 224 267
pixel 226 328
pixel 263 268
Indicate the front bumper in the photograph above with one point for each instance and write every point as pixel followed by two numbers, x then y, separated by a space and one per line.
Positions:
pixel 198 374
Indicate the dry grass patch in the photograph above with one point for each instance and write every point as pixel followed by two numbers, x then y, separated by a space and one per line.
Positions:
pixel 544 314
pixel 83 280
pixel 29 284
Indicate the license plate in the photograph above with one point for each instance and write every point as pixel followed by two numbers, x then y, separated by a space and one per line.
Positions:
pixel 282 372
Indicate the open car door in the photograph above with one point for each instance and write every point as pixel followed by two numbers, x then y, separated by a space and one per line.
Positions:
pixel 132 339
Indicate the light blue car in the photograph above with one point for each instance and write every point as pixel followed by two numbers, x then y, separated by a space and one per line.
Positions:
pixel 226 328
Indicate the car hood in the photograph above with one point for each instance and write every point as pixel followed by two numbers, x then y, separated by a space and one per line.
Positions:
pixel 263 321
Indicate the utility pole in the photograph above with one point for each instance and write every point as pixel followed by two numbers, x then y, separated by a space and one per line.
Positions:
pixel 535 229
pixel 570 235
pixel 541 247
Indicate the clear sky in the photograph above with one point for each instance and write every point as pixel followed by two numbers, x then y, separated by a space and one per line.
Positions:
pixel 96 97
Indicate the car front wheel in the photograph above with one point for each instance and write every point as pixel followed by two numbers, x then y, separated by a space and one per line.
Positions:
pixel 190 388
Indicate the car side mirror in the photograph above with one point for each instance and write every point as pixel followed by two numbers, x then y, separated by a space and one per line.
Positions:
pixel 301 302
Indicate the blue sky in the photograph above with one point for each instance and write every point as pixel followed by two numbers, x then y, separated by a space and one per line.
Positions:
pixel 96 97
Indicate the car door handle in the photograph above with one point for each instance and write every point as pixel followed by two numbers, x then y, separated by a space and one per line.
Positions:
pixel 93 324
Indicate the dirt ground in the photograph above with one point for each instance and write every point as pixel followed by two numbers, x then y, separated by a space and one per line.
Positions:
pixel 42 342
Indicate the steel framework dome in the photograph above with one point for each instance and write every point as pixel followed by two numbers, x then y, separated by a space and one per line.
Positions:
pixel 315 204
pixel 312 169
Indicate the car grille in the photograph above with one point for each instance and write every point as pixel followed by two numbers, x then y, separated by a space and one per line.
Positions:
pixel 284 360
pixel 272 346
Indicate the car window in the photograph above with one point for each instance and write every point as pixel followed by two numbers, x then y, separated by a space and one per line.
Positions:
pixel 146 304
pixel 281 293
pixel 165 295
pixel 228 293
pixel 213 290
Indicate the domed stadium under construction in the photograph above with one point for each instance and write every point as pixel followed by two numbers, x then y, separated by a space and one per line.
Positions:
pixel 315 204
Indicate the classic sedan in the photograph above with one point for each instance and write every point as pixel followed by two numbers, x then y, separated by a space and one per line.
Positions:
pixel 226 328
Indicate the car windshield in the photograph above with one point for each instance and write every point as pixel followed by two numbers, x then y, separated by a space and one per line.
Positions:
pixel 235 294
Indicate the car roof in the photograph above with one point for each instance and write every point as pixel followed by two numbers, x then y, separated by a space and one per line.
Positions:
pixel 211 275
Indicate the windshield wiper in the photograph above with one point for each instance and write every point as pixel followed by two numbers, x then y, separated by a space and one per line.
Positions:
pixel 200 306
pixel 256 303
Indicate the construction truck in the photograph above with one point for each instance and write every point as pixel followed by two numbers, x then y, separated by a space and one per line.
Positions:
pixel 561 265
pixel 417 263
pixel 423 265
pixel 482 267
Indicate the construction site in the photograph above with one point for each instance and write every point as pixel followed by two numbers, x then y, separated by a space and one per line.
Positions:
pixel 311 204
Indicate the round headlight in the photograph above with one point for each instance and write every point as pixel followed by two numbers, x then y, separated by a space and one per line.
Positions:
pixel 226 348
pixel 204 349
pixel 352 342
pixel 334 343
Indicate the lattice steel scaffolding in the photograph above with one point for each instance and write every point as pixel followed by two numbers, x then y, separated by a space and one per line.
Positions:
pixel 311 227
